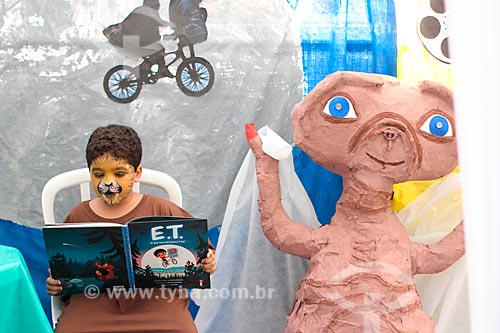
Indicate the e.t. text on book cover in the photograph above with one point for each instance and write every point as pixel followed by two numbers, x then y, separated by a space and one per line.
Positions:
pixel 167 252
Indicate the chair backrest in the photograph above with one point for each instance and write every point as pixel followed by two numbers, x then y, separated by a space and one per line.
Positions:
pixel 81 178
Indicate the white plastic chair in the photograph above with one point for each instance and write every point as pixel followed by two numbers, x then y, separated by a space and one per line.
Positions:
pixel 81 178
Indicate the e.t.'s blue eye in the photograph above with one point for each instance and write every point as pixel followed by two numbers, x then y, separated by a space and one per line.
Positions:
pixel 437 125
pixel 340 107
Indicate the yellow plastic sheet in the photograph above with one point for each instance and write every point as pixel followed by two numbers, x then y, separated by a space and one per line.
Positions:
pixel 405 193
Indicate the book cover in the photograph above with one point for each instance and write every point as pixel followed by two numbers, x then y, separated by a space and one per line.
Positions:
pixel 84 254
pixel 149 252
pixel 167 252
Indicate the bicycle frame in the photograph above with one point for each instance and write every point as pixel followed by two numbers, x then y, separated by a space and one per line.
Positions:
pixel 180 54
pixel 148 78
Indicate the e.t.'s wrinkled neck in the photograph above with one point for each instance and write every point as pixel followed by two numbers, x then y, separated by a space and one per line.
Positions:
pixel 361 199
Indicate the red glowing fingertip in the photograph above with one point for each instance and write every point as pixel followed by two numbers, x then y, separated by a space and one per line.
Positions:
pixel 250 131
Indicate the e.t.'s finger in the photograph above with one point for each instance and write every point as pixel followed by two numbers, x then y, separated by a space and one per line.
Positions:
pixel 254 140
pixel 250 131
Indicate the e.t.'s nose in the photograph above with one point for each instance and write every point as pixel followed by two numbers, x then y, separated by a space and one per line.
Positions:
pixel 390 134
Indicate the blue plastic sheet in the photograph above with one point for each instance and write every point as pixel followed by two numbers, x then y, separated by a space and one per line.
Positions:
pixel 29 241
pixel 349 35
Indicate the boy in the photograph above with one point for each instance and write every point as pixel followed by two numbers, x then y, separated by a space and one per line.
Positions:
pixel 113 156
pixel 164 257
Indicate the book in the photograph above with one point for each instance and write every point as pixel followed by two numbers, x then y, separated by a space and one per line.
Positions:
pixel 148 252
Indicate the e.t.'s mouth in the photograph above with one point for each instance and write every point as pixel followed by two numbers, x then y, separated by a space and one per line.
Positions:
pixel 384 163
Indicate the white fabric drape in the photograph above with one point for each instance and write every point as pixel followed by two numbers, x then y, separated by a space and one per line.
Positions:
pixel 246 259
pixel 476 53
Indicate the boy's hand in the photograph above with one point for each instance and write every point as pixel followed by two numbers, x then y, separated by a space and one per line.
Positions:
pixel 53 286
pixel 209 264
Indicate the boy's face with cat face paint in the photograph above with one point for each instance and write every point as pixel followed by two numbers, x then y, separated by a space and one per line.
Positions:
pixel 112 178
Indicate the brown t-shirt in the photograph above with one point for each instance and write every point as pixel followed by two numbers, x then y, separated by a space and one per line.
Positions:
pixel 158 314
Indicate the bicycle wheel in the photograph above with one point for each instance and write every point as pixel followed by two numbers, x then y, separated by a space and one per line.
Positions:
pixel 195 76
pixel 122 84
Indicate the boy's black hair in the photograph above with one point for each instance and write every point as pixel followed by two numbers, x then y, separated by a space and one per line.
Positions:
pixel 157 252
pixel 118 140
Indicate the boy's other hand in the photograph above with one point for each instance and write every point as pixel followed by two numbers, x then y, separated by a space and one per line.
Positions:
pixel 209 264
pixel 53 286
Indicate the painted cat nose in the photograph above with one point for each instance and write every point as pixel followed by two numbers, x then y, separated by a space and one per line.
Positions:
pixel 390 134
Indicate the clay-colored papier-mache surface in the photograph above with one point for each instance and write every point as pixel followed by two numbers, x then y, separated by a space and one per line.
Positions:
pixel 374 131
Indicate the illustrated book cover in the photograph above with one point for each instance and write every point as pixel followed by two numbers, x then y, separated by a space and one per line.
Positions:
pixel 149 252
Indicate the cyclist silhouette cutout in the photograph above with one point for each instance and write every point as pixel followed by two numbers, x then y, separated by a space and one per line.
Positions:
pixel 138 36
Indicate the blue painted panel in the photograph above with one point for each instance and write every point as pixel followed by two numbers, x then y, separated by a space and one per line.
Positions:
pixel 361 37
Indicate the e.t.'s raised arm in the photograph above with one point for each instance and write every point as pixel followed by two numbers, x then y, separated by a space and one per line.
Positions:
pixel 434 258
pixel 286 235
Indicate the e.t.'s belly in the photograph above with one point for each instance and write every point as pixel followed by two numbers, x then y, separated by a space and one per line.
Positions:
pixel 359 285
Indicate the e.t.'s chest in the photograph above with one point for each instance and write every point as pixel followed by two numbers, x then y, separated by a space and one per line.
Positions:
pixel 365 245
